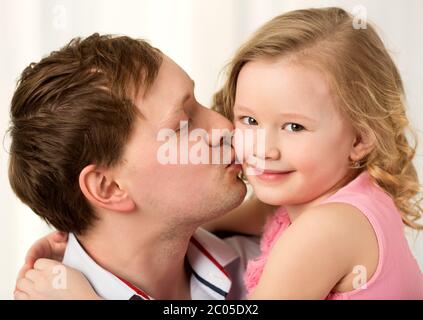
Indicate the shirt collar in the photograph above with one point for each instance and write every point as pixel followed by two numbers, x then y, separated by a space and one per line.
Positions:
pixel 105 283
pixel 207 255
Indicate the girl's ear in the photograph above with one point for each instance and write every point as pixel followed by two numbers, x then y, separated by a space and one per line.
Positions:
pixel 101 190
pixel 363 144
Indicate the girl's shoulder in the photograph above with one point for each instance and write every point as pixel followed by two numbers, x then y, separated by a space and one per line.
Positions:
pixel 349 235
pixel 338 221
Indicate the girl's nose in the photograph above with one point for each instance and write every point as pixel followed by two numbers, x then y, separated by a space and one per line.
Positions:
pixel 267 146
pixel 272 154
pixel 269 154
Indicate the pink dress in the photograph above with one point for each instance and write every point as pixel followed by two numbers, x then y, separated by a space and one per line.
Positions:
pixel 397 275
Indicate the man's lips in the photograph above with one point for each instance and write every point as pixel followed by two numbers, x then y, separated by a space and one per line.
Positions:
pixel 234 165
pixel 234 161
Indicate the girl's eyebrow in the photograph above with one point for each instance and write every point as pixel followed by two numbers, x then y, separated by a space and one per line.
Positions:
pixel 283 114
pixel 296 116
pixel 243 108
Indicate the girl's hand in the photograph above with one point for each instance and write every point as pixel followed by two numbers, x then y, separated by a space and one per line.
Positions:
pixel 51 280
pixel 52 246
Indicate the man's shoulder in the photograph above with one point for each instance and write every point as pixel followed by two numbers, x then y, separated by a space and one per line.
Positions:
pixel 230 247
pixel 233 252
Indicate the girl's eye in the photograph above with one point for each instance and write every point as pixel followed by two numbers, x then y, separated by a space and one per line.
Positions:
pixel 294 127
pixel 249 121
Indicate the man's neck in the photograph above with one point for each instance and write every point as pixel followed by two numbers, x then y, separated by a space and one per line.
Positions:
pixel 148 255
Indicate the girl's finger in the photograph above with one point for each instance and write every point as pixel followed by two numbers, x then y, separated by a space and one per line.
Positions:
pixel 20 295
pixel 23 271
pixel 26 286
pixel 33 275
pixel 45 264
pixel 60 236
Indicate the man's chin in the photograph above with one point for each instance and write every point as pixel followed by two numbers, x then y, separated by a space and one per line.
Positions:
pixel 227 192
pixel 235 194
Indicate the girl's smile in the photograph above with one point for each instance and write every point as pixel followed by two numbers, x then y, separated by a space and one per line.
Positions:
pixel 269 176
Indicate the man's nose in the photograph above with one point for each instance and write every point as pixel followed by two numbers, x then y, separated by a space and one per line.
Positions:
pixel 218 127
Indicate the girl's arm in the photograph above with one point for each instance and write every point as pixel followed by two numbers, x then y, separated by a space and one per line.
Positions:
pixel 249 218
pixel 315 253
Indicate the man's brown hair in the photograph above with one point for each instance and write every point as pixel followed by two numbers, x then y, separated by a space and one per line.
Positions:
pixel 74 108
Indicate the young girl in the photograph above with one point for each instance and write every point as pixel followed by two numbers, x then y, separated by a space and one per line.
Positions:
pixel 336 162
pixel 336 159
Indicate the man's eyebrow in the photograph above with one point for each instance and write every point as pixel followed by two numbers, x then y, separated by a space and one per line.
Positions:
pixel 170 116
pixel 178 107
pixel 187 96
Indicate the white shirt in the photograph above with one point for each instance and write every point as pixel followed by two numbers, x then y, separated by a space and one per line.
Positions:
pixel 217 267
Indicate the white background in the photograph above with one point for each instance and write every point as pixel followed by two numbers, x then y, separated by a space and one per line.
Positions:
pixel 200 35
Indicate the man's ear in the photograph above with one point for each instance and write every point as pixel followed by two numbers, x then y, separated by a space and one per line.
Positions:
pixel 363 144
pixel 101 190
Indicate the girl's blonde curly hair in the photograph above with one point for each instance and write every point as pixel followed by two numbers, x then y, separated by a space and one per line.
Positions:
pixel 364 80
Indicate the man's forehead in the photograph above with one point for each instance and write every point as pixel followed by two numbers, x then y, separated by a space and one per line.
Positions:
pixel 169 91
pixel 183 84
pixel 170 78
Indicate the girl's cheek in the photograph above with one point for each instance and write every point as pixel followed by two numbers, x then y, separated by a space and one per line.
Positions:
pixel 300 154
pixel 243 145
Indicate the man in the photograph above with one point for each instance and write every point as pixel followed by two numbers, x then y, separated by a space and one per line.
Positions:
pixel 85 122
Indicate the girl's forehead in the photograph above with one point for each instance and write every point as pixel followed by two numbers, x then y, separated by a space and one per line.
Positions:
pixel 283 86
pixel 282 74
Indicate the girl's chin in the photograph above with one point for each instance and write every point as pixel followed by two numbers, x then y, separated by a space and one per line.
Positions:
pixel 270 198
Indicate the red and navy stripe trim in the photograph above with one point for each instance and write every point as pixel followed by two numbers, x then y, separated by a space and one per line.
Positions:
pixel 208 284
pixel 209 256
pixel 138 291
pixel 203 250
pixel 142 295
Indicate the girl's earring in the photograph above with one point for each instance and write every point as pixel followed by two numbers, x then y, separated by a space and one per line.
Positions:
pixel 356 164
